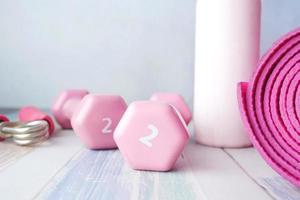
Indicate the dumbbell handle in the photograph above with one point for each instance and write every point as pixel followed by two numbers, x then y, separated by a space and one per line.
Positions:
pixel 70 106
pixel 31 113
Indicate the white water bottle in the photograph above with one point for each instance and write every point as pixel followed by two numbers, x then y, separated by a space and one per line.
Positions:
pixel 227 51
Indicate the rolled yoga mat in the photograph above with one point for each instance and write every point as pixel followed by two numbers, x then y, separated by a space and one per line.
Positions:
pixel 270 107
pixel 227 51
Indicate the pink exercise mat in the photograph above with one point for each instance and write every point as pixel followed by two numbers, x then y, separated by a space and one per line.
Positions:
pixel 270 107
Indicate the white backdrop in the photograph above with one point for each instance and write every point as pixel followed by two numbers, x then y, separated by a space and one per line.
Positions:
pixel 127 47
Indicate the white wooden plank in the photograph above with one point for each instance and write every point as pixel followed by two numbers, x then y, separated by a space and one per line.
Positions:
pixel 260 172
pixel 26 177
pixel 220 177
pixel 11 153
pixel 280 188
pixel 202 173
pixel 105 175
pixel 253 164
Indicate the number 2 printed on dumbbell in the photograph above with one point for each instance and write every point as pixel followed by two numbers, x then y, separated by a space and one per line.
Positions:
pixel 147 140
pixel 93 117
pixel 107 126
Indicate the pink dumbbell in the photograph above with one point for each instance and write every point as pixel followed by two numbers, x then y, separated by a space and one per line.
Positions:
pixel 93 117
pixel 151 135
pixel 175 100
pixel 65 105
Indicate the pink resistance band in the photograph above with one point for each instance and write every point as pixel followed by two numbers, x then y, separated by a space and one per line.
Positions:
pixel 3 118
pixel 31 113
pixel 270 107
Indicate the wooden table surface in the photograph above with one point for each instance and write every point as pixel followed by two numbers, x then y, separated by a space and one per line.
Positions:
pixel 63 169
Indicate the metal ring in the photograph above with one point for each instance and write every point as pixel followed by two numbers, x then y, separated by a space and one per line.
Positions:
pixel 31 135
pixel 4 134
pixel 32 141
pixel 25 133
pixel 20 127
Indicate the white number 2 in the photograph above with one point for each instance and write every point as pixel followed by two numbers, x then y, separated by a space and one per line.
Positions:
pixel 107 128
pixel 146 140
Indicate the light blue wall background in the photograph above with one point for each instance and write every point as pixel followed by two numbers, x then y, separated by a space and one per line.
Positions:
pixel 127 47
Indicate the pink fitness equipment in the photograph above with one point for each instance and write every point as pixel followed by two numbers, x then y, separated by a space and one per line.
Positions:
pixel 31 113
pixel 175 100
pixel 151 135
pixel 93 117
pixel 3 118
pixel 227 51
pixel 270 107
pixel 65 105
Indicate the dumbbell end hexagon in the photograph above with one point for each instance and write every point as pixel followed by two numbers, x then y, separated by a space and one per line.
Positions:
pixel 58 106
pixel 96 118
pixel 151 136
